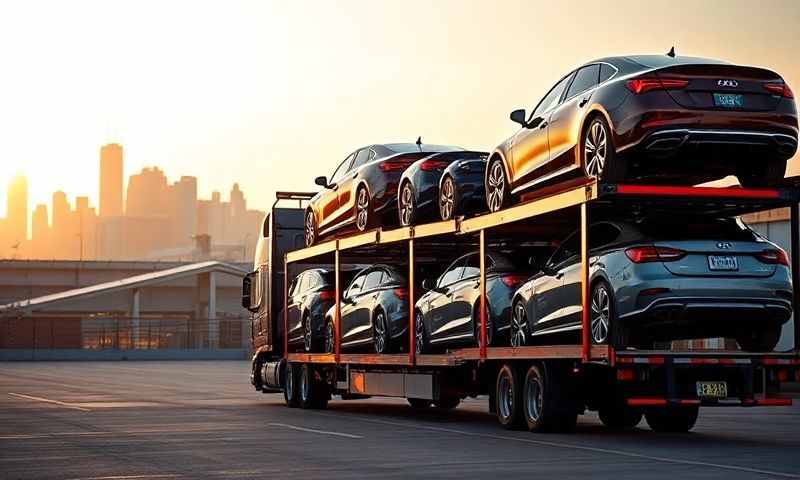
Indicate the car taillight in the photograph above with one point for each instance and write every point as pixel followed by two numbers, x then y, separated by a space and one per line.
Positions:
pixel 645 84
pixel 654 254
pixel 326 295
pixel 430 165
pixel 781 89
pixel 401 293
pixel 390 166
pixel 512 281
pixel 773 257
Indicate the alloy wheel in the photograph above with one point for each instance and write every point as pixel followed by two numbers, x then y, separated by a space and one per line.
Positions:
pixel 419 334
pixel 406 205
pixel 601 313
pixel 380 333
pixel 329 338
pixel 496 186
pixel 310 229
pixel 307 332
pixel 519 326
pixel 534 398
pixel 447 199
pixel 362 209
pixel 595 149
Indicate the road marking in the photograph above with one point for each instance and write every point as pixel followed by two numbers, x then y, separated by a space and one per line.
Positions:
pixel 609 451
pixel 131 477
pixel 47 400
pixel 311 430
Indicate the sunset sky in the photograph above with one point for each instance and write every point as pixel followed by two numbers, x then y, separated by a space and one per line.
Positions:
pixel 271 94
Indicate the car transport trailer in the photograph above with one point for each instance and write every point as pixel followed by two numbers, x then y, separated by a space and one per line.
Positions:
pixel 543 387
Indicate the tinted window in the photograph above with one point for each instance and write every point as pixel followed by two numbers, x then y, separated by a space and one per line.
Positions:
pixel 585 79
pixel 313 280
pixel 293 286
pixel 606 72
pixel 453 273
pixel 343 168
pixel 472 267
pixel 373 280
pixel 551 99
pixel 567 250
pixel 688 228
pixel 602 234
pixel 302 284
pixel 362 158
pixel 355 287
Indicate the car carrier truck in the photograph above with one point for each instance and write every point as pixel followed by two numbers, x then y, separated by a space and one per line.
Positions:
pixel 541 387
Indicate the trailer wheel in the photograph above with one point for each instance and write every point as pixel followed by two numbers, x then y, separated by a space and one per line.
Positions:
pixel 509 397
pixel 620 417
pixel 544 408
pixel 447 403
pixel 313 392
pixel 290 394
pixel 419 403
pixel 672 420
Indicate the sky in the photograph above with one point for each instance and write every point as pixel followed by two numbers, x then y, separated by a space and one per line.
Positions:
pixel 271 94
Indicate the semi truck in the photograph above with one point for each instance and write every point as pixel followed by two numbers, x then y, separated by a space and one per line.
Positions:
pixel 543 387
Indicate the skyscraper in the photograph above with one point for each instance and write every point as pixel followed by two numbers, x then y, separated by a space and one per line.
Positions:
pixel 184 210
pixel 17 217
pixel 111 180
pixel 40 231
pixel 147 194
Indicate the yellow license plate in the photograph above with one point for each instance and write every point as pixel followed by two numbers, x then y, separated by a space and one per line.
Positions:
pixel 712 389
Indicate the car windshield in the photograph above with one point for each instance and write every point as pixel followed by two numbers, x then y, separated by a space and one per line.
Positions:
pixel 683 228
pixel 412 147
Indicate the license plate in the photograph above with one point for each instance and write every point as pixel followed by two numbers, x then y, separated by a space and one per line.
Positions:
pixel 718 262
pixel 729 100
pixel 712 390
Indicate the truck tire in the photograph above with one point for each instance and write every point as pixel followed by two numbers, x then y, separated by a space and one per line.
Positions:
pixel 312 392
pixel 673 419
pixel 619 416
pixel 290 394
pixel 544 405
pixel 508 396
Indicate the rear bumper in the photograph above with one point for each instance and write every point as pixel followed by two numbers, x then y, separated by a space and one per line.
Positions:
pixel 673 141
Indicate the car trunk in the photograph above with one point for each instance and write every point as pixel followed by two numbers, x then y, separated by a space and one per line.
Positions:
pixel 740 88
pixel 713 258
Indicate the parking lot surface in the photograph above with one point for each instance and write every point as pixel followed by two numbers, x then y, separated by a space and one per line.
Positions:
pixel 161 420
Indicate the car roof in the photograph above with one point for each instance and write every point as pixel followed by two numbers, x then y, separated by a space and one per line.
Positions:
pixel 386 149
pixel 656 61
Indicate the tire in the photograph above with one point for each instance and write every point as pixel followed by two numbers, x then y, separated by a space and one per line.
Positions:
pixel 602 313
pixel 330 337
pixel 508 397
pixel 363 209
pixel 448 199
pixel 619 417
pixel 764 340
pixel 520 331
pixel 763 174
pixel 419 403
pixel 598 157
pixel 309 342
pixel 406 209
pixel 290 393
pixel 313 393
pixel 447 403
pixel 381 339
pixel 476 326
pixel 544 406
pixel 498 190
pixel 310 228
pixel 421 341
pixel 672 420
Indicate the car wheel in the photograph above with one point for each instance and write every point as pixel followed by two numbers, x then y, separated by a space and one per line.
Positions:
pixel 476 326
pixel 310 228
pixel 419 403
pixel 448 199
pixel 406 209
pixel 313 392
pixel 598 158
pixel 544 405
pixel 380 333
pixel 761 174
pixel 330 337
pixel 290 394
pixel 519 325
pixel 447 402
pixel 508 396
pixel 620 417
pixel 762 340
pixel 421 342
pixel 363 213
pixel 497 188
pixel 308 333
pixel 673 419
pixel 601 313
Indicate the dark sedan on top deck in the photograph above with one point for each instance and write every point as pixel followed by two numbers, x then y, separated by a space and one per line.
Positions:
pixel 659 118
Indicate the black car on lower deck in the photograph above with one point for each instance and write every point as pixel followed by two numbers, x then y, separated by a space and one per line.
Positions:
pixel 311 294
pixel 419 196
pixel 374 310
pixel 449 313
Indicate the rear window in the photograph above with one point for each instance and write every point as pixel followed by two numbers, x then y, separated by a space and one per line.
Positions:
pixel 412 147
pixel 696 229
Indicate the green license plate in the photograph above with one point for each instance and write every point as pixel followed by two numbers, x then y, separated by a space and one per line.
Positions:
pixel 728 100
pixel 712 389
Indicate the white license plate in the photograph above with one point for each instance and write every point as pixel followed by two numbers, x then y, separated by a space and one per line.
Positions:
pixel 712 389
pixel 719 262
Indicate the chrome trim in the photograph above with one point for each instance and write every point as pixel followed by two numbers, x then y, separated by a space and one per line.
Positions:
pixel 545 178
pixel 705 302
pixel 696 131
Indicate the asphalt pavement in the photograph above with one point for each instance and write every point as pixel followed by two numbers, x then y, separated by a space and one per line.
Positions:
pixel 186 420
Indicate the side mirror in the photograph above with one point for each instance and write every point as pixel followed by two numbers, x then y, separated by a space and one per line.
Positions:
pixel 428 284
pixel 518 116
pixel 250 295
pixel 322 182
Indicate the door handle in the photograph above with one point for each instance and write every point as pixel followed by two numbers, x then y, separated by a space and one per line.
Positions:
pixel 583 102
pixel 543 125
